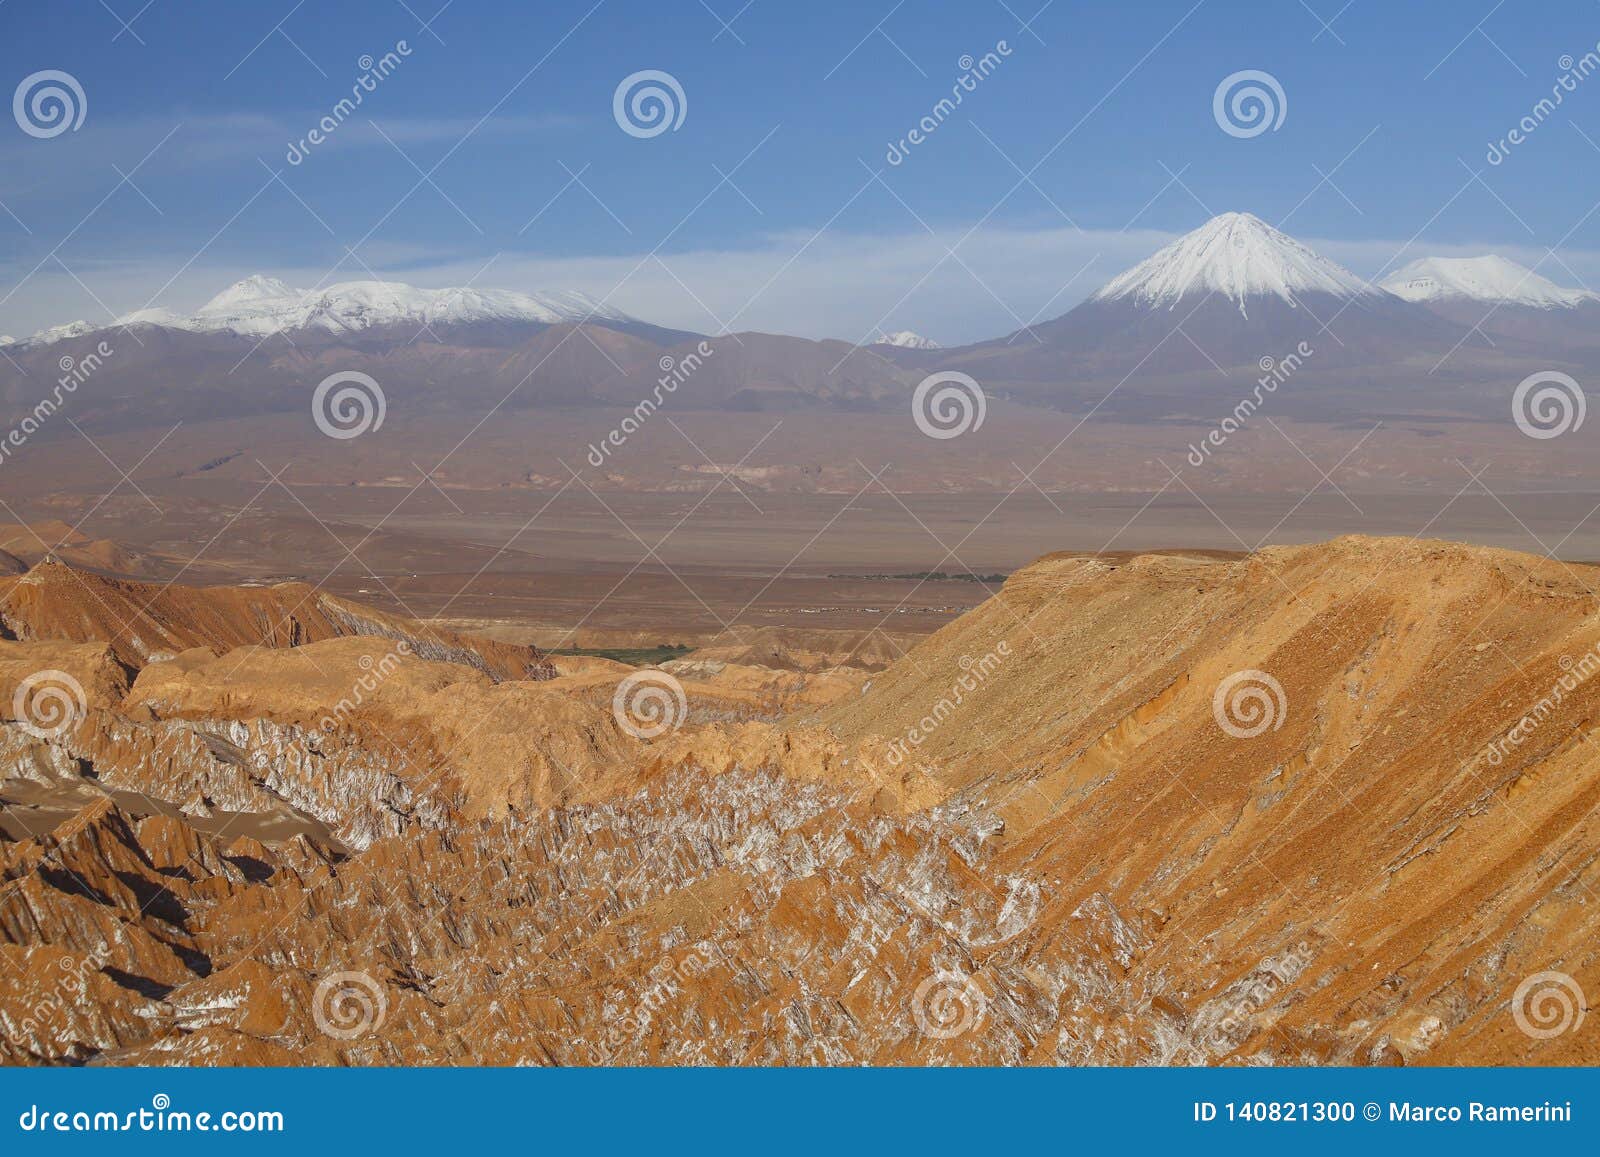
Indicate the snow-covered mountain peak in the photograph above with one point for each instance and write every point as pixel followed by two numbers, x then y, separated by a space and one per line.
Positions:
pixel 907 340
pixel 252 291
pixel 1239 256
pixel 70 329
pixel 1490 278
pixel 260 305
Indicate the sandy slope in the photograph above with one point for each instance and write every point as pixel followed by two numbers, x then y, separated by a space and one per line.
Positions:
pixel 1037 838
pixel 141 621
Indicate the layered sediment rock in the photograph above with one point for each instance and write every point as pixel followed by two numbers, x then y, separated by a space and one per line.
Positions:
pixel 1322 804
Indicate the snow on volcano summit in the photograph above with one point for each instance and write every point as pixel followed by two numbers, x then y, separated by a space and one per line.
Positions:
pixel 907 340
pixel 1489 278
pixel 1239 256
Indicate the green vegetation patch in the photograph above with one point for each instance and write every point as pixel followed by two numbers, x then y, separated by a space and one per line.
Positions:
pixel 633 656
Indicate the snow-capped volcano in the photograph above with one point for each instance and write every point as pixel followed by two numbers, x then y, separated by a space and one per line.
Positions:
pixel 1222 298
pixel 1238 256
pixel 907 340
pixel 261 305
pixel 1490 278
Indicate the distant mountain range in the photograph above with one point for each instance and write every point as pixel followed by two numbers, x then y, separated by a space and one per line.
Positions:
pixel 1171 336
pixel 259 306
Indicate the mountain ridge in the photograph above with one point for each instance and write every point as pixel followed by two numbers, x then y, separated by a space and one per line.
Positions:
pixel 1234 254
pixel 1487 278
pixel 1171 333
pixel 260 306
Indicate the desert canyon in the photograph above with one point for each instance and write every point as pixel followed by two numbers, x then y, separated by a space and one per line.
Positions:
pixel 1309 804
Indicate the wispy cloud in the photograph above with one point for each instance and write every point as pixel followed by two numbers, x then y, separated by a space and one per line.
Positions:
pixel 31 169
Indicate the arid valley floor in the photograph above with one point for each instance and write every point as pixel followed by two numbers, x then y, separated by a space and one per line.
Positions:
pixel 703 521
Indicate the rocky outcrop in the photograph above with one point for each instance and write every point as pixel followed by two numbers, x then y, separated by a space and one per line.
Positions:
pixel 1321 804
pixel 144 621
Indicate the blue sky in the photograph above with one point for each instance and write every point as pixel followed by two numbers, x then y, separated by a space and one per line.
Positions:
pixel 1108 109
